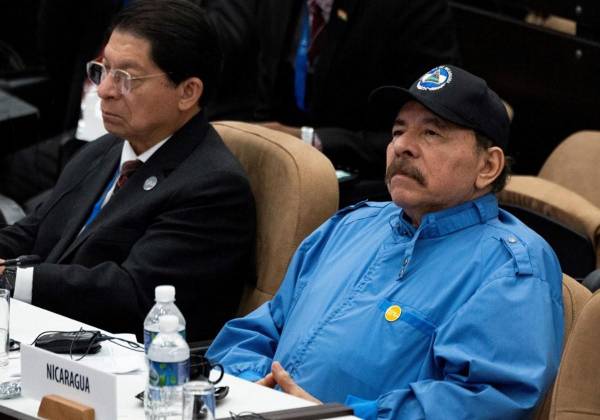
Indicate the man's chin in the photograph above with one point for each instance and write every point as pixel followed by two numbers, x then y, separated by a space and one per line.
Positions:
pixel 403 197
pixel 114 129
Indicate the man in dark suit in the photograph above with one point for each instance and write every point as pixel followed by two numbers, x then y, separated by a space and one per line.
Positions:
pixel 185 216
pixel 351 47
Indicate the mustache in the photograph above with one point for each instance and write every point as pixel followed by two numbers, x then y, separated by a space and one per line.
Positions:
pixel 403 167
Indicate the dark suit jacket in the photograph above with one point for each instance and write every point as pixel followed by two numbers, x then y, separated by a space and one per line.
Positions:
pixel 366 44
pixel 194 230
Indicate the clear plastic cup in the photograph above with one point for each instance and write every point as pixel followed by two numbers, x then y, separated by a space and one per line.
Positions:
pixel 198 401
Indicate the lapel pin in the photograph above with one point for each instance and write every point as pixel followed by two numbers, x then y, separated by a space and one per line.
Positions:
pixel 393 313
pixel 150 183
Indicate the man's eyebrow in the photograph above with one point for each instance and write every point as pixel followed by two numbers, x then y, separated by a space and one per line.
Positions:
pixel 399 121
pixel 438 122
pixel 124 65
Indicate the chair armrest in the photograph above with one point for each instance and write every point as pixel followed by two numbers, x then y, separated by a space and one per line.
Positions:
pixel 592 280
pixel 555 202
pixel 10 211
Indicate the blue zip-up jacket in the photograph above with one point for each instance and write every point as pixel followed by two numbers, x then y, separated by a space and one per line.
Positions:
pixel 460 318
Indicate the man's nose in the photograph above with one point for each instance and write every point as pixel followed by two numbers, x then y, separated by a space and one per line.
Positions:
pixel 108 88
pixel 405 144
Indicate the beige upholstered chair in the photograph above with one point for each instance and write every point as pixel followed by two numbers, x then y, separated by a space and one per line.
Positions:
pixel 295 189
pixel 575 164
pixel 553 22
pixel 576 393
pixel 563 206
pixel 575 297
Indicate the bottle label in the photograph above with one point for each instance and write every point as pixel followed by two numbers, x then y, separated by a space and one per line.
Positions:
pixel 168 373
pixel 149 336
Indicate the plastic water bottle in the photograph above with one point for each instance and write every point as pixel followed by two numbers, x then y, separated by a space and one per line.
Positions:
pixel 168 370
pixel 165 298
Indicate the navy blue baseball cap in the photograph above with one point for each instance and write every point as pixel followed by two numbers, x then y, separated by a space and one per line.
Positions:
pixel 454 95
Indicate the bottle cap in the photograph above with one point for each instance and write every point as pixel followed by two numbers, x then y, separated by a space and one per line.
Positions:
pixel 164 293
pixel 168 323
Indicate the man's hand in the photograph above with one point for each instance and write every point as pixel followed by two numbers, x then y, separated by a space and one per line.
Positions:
pixel 1 267
pixel 267 381
pixel 274 125
pixel 279 376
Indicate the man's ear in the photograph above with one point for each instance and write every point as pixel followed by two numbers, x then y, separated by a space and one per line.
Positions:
pixel 492 165
pixel 190 91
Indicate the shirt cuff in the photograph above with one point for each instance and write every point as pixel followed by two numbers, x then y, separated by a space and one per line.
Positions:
pixel 365 409
pixel 24 284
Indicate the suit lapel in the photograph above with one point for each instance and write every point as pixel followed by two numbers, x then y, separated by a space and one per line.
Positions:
pixel 334 32
pixel 275 17
pixel 277 32
pixel 91 186
pixel 160 165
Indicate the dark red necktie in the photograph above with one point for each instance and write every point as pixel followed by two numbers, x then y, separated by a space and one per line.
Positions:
pixel 317 23
pixel 127 169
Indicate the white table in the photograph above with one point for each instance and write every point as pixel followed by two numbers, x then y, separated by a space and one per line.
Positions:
pixel 27 321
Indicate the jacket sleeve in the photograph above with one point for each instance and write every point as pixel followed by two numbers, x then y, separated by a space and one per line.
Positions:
pixel 200 241
pixel 18 239
pixel 246 346
pixel 494 358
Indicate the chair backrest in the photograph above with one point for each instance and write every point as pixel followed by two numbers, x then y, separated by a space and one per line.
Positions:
pixel 547 108
pixel 575 296
pixel 574 164
pixel 567 210
pixel 295 189
pixel 576 390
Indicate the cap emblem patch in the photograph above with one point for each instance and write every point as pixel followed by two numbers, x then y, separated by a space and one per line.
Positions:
pixel 435 79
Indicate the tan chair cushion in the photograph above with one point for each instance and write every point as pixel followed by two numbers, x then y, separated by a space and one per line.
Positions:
pixel 295 189
pixel 577 388
pixel 557 203
pixel 553 22
pixel 575 164
pixel 575 297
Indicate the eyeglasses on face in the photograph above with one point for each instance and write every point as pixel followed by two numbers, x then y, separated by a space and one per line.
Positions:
pixel 97 72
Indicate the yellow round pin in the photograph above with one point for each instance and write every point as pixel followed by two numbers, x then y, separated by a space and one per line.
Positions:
pixel 393 313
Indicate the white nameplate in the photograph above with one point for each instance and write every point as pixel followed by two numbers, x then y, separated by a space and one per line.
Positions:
pixel 43 373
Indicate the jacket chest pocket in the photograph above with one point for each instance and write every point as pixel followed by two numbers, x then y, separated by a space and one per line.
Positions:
pixel 405 314
pixel 390 347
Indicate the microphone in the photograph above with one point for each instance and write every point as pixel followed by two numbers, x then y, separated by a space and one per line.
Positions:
pixel 22 261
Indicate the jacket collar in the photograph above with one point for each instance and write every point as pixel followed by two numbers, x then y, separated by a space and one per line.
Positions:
pixel 159 165
pixel 449 220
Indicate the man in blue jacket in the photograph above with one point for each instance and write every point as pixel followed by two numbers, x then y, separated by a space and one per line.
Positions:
pixel 435 305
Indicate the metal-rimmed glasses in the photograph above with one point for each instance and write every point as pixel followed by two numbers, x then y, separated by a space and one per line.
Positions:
pixel 97 72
